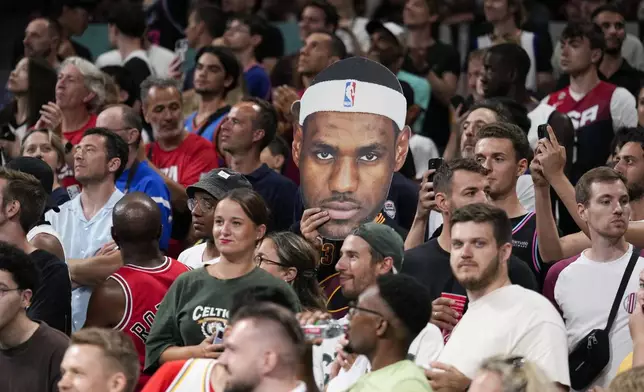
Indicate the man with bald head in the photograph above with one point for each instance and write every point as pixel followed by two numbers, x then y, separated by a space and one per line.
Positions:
pixel 128 300
pixel 138 176
pixel 42 39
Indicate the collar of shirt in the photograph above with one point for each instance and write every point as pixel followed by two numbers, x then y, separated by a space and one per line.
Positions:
pixel 77 208
pixel 259 173
pixel 301 387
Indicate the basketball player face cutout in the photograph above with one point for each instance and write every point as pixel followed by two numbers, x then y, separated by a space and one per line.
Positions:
pixel 350 140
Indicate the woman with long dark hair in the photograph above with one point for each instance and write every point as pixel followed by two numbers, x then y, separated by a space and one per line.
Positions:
pixel 291 258
pixel 33 84
pixel 194 313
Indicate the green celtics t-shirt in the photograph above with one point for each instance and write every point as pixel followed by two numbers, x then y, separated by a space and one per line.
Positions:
pixel 196 307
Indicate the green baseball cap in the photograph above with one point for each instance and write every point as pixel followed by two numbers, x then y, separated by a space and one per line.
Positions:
pixel 384 240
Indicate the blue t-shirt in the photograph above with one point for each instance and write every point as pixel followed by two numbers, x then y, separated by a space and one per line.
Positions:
pixel 146 180
pixel 257 82
pixel 209 128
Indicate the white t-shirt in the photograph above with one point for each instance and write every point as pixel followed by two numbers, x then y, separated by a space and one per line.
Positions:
pixel 509 321
pixel 539 115
pixel 584 291
pixel 422 149
pixel 159 57
pixel 525 193
pixel 424 349
pixel 193 257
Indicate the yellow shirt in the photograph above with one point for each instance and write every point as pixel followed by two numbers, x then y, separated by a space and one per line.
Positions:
pixel 626 364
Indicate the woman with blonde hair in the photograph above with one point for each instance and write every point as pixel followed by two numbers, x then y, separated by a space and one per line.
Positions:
pixel 511 374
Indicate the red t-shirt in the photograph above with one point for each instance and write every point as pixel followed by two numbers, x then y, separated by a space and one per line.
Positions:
pixel 66 175
pixel 164 377
pixel 186 163
pixel 74 137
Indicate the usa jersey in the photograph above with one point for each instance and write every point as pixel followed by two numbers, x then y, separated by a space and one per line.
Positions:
pixel 596 117
pixel 144 289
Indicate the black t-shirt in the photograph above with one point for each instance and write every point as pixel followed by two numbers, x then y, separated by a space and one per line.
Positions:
pixel 429 263
pixel 272 44
pixel 52 301
pixel 59 196
pixel 138 69
pixel 81 50
pixel 402 200
pixel 441 58
pixel 278 192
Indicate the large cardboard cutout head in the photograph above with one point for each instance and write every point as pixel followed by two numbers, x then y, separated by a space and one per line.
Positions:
pixel 350 139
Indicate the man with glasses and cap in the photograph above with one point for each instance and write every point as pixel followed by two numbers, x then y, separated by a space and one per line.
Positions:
pixel 202 200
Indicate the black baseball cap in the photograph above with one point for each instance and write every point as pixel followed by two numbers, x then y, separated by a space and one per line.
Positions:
pixel 218 182
pixel 39 169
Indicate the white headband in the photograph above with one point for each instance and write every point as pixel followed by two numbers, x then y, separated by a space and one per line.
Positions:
pixel 353 96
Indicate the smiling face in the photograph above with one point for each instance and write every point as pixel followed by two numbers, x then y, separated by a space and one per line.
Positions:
pixel 475 257
pixel 355 266
pixel 346 163
pixel 608 209
pixel 233 231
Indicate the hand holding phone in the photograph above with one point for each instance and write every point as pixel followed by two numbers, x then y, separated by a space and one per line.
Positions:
pixel 542 131
pixel 434 163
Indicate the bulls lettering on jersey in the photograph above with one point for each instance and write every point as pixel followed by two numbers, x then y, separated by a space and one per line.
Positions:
pixel 596 117
pixel 144 289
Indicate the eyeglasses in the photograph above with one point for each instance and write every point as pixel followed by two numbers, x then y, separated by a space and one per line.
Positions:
pixel 353 309
pixel 5 291
pixel 205 205
pixel 259 259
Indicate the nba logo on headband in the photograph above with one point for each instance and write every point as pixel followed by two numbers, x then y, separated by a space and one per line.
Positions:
pixel 349 94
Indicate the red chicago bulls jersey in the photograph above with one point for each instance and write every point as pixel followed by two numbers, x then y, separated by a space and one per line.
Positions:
pixel 144 290
pixel 593 122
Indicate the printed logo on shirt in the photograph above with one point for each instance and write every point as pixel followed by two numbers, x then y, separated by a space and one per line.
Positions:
pixel 141 328
pixel 390 209
pixel 586 117
pixel 562 95
pixel 520 244
pixel 213 321
pixel 172 172
pixel 630 302
pixel 349 94
pixel 73 191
